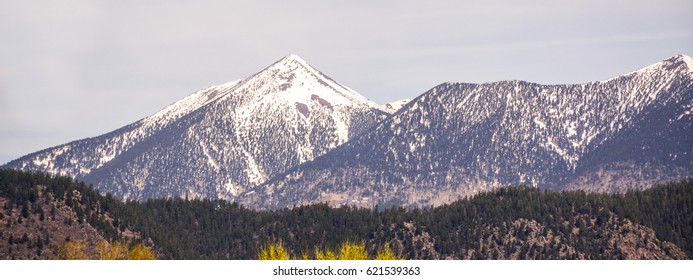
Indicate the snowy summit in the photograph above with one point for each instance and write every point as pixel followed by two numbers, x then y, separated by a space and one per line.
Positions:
pixel 221 140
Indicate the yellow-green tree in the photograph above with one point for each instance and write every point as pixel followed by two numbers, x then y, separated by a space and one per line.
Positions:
pixel 325 255
pixel 114 251
pixel 387 254
pixel 141 252
pixel 76 250
pixel 73 250
pixel 347 251
pixel 353 251
pixel 273 252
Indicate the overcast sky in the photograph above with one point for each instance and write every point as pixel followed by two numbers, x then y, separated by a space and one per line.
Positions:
pixel 76 69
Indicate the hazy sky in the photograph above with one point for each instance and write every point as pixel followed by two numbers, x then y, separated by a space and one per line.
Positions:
pixel 76 69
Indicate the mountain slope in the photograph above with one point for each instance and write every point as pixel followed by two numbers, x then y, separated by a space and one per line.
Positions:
pixel 458 139
pixel 40 213
pixel 221 140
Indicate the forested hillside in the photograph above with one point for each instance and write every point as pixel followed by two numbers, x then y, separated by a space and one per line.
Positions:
pixel 44 217
pixel 509 223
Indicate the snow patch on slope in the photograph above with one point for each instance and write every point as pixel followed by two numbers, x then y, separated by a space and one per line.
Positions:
pixel 394 106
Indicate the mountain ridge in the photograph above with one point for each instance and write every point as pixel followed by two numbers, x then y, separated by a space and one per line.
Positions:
pixel 290 135
pixel 459 138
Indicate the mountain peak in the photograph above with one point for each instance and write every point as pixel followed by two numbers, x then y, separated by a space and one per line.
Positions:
pixel 293 81
pixel 221 140
pixel 292 57
pixel 291 62
pixel 686 59
pixel 678 59
pixel 679 63
pixel 682 56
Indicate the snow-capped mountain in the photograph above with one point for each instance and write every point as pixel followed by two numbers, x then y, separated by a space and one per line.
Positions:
pixel 457 139
pixel 219 141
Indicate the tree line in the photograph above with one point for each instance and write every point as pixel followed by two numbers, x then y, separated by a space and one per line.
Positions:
pixel 484 226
